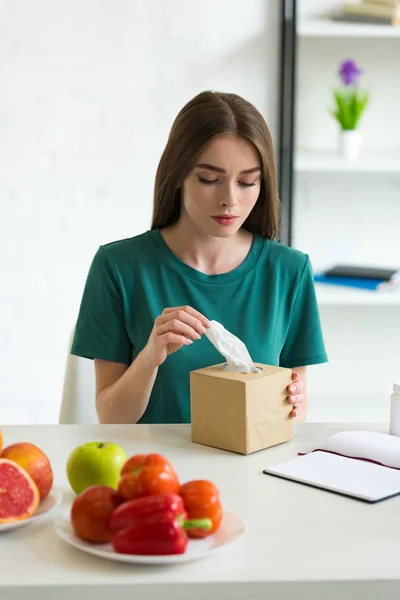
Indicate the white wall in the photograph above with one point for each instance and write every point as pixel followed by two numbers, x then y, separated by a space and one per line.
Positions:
pixel 88 94
pixel 351 217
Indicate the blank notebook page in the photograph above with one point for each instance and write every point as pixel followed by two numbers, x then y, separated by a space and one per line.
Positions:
pixel 348 476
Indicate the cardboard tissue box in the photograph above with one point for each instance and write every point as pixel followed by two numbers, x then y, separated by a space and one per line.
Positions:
pixel 239 405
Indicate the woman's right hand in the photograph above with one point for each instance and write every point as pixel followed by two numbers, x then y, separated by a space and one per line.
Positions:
pixel 174 328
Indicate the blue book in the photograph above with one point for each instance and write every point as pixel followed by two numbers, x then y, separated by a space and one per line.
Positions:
pixel 354 282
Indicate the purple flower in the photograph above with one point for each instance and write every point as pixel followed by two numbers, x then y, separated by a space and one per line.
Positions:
pixel 349 72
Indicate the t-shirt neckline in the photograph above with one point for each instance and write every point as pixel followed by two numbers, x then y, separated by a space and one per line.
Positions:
pixel 171 259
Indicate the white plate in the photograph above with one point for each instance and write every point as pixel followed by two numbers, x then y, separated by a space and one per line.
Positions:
pixel 48 504
pixel 231 529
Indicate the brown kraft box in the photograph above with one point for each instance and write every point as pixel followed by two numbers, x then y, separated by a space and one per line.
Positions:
pixel 241 412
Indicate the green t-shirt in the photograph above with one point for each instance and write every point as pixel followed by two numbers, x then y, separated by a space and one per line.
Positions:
pixel 268 301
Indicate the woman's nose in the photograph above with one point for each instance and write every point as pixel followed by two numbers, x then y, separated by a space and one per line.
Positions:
pixel 229 198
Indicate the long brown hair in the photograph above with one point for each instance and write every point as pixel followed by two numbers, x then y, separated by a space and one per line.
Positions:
pixel 206 116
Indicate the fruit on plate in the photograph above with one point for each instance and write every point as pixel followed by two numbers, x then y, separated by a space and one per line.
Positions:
pixel 34 461
pixel 201 500
pixel 152 525
pixel 95 463
pixel 145 508
pixel 147 474
pixel 161 535
pixel 19 495
pixel 91 513
pixel 137 461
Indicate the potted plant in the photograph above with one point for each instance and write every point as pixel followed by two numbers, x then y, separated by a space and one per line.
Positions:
pixel 349 104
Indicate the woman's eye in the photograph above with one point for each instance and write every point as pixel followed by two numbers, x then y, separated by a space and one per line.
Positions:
pixel 211 181
pixel 207 181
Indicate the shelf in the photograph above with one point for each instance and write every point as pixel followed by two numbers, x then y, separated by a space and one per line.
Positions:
pixel 340 296
pixel 329 28
pixel 314 161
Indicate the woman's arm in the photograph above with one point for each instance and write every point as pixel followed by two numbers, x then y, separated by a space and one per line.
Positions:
pixel 122 391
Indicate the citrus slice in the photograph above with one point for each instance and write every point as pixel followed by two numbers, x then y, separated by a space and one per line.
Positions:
pixel 19 495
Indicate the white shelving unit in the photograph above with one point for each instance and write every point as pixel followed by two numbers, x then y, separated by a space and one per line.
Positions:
pixel 359 326
pixel 313 161
pixel 329 295
pixel 330 28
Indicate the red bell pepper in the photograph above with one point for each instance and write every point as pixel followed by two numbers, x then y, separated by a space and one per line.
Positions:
pixel 201 500
pixel 141 509
pixel 152 525
pixel 144 475
pixel 161 535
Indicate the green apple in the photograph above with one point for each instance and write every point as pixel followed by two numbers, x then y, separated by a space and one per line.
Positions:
pixel 95 463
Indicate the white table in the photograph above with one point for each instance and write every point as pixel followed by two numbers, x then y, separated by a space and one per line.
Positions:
pixel 301 542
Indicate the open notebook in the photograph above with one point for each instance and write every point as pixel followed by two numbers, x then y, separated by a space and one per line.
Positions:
pixel 361 464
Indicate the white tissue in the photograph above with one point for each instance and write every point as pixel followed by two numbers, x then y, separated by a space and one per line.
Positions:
pixel 232 348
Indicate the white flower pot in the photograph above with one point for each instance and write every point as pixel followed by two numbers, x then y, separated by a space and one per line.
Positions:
pixel 350 143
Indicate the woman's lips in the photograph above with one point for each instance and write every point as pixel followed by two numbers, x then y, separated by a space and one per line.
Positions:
pixel 228 220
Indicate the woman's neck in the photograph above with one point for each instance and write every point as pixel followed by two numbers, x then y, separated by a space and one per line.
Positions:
pixel 206 253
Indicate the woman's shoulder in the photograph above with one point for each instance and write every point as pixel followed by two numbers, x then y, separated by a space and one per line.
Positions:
pixel 127 244
pixel 285 258
pixel 128 249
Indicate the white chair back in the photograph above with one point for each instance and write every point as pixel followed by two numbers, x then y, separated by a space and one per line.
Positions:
pixel 79 391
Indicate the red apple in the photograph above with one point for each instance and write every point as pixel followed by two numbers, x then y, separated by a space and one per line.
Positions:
pixel 35 463
pixel 91 513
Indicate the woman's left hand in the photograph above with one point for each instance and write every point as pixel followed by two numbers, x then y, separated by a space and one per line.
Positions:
pixel 296 395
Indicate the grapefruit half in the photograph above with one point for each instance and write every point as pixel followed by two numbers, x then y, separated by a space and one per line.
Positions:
pixel 19 495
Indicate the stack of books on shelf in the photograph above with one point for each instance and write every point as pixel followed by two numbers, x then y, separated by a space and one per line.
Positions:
pixel 379 12
pixel 362 277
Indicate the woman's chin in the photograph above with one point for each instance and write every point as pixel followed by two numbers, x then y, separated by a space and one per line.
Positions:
pixel 224 231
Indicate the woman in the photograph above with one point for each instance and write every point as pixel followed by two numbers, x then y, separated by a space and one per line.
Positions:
pixel 210 254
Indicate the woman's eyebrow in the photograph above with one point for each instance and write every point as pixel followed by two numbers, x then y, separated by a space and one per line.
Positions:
pixel 219 170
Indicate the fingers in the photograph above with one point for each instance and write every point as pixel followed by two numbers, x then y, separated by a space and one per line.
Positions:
pixel 178 327
pixel 174 338
pixel 174 328
pixel 195 314
pixel 295 394
pixel 299 415
pixel 183 316
pixel 297 402
pixel 295 388
pixel 295 399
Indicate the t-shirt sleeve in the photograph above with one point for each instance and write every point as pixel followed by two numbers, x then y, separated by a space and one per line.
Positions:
pixel 304 344
pixel 100 330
